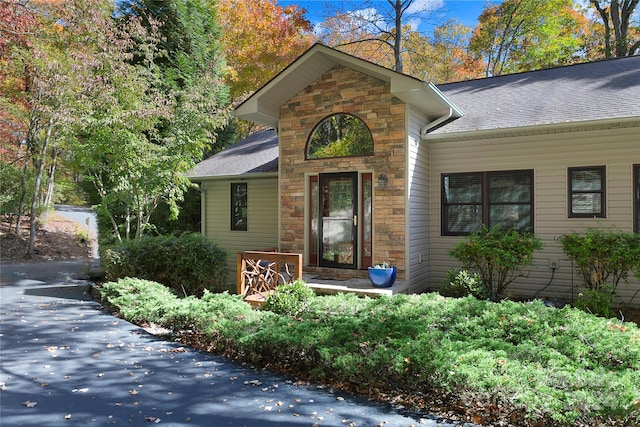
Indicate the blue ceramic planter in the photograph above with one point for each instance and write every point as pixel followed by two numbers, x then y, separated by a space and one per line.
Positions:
pixel 382 277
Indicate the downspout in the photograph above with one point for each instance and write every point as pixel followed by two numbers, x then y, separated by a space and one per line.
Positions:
pixel 437 122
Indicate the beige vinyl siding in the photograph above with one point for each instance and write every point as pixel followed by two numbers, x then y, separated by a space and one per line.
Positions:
pixel 417 202
pixel 549 156
pixel 262 218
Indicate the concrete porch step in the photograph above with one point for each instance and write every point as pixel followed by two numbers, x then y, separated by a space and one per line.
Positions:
pixel 328 286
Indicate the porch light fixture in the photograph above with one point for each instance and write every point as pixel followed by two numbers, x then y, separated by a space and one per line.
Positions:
pixel 382 182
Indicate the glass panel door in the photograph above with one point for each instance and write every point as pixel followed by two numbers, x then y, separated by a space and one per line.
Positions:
pixel 338 220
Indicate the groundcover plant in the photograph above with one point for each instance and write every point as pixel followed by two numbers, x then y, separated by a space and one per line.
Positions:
pixel 520 362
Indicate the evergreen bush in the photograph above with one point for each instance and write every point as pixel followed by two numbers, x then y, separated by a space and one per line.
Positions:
pixel 290 299
pixel 462 283
pixel 498 256
pixel 603 258
pixel 533 365
pixel 188 263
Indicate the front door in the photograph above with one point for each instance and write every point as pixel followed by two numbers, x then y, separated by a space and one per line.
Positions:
pixel 338 231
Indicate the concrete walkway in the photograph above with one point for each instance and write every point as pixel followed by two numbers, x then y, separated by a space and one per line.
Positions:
pixel 66 362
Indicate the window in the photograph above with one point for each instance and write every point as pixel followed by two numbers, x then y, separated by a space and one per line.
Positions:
pixel 340 135
pixel 239 206
pixel 586 192
pixel 494 199
pixel 636 198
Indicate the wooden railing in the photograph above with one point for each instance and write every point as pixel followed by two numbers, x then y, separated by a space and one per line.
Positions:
pixel 260 272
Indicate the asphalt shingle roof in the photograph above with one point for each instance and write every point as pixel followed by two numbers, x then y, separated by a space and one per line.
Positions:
pixel 258 153
pixel 576 93
pixel 581 92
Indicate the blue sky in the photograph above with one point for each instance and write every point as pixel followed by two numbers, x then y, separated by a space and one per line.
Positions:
pixel 465 11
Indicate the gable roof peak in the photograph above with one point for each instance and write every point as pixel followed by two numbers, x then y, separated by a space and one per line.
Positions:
pixel 264 105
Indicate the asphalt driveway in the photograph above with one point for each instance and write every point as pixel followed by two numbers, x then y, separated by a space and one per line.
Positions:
pixel 65 361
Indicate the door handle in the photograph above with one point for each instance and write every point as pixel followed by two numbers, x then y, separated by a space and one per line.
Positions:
pixel 355 220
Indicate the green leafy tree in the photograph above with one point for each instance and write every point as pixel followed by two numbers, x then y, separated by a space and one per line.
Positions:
pixel 42 67
pixel 157 99
pixel 522 35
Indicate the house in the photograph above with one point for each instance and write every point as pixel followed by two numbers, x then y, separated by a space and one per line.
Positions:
pixel 363 165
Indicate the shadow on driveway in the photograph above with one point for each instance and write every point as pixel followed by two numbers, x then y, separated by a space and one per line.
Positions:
pixel 66 362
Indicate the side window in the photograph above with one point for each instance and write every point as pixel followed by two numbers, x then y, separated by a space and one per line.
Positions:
pixel 495 199
pixel 587 192
pixel 462 210
pixel 239 206
pixel 510 196
pixel 636 198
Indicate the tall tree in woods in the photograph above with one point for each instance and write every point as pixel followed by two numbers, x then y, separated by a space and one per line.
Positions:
pixel 259 38
pixel 621 36
pixel 378 27
pixel 443 57
pixel 16 24
pixel 346 31
pixel 42 71
pixel 159 100
pixel 521 35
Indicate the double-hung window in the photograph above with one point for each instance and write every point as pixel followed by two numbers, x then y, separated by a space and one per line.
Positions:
pixel 239 206
pixel 496 199
pixel 587 192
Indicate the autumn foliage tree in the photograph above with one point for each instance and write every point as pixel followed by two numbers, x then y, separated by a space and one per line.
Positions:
pixel 376 30
pixel 621 37
pixel 258 39
pixel 16 23
pixel 42 63
pixel 521 35
pixel 443 57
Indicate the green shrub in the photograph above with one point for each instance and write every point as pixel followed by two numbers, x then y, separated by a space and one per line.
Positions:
pixel 498 256
pixel 138 300
pixel 189 263
pixel 596 301
pixel 534 364
pixel 461 283
pixel 603 257
pixel 289 299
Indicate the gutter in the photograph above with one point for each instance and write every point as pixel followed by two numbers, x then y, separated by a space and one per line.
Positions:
pixel 440 121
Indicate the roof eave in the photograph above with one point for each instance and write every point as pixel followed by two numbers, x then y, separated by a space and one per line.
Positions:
pixel 239 177
pixel 576 126
pixel 264 105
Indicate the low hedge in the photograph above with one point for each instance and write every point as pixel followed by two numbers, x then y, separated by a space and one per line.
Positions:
pixel 188 263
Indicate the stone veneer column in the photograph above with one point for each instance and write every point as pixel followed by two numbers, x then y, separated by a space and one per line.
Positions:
pixel 343 90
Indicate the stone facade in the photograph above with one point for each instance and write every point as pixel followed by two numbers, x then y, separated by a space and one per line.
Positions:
pixel 343 90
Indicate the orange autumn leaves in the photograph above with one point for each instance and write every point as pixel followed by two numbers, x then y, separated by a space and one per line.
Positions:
pixel 258 37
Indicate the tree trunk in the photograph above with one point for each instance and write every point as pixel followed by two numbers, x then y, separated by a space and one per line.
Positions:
pixel 36 192
pixel 619 15
pixel 97 182
pixel 51 179
pixel 23 180
pixel 397 44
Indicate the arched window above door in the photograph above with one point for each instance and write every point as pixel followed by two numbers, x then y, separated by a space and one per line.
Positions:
pixel 340 135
